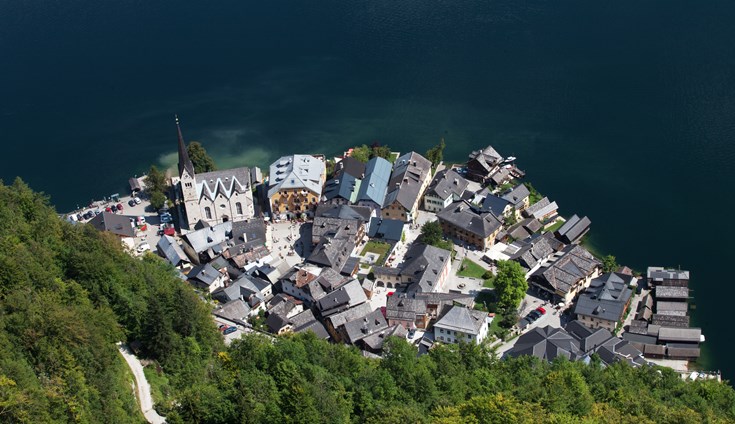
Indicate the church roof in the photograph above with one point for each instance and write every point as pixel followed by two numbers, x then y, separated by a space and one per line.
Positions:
pixel 225 182
pixel 184 161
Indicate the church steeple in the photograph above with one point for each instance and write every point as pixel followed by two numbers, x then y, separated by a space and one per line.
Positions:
pixel 184 161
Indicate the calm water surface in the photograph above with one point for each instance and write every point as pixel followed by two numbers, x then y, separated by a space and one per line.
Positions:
pixel 623 111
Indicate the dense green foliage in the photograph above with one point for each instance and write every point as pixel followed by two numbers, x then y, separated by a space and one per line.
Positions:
pixel 156 187
pixel 431 233
pixel 67 294
pixel 609 264
pixel 436 154
pixel 300 379
pixel 510 285
pixel 364 153
pixel 199 158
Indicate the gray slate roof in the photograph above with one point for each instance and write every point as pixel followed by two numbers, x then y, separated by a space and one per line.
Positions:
pixel 404 186
pixel 386 229
pixel 374 185
pixel 487 157
pixel 536 250
pixel 236 310
pixel 201 240
pixel 346 296
pixel 574 229
pixel 363 213
pixel 547 343
pixel 169 248
pixel 516 195
pixel 113 223
pixel 447 183
pixel 572 264
pixel 205 274
pixel 494 204
pixel 225 182
pixel 296 171
pixel 344 186
pixel 671 292
pixel 606 297
pixel 657 273
pixel 350 166
pixel 541 208
pixel 363 327
pixel 423 264
pixel 461 318
pixel 461 214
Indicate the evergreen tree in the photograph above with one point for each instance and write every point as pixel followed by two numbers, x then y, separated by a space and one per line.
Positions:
pixel 199 158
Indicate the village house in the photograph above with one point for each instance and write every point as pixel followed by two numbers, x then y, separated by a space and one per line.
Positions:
pixel 658 276
pixel 465 223
pixel 534 251
pixel 206 243
pixel 605 302
pixel 342 189
pixel 446 187
pixel 417 310
pixel 120 225
pixel 350 166
pixel 462 324
pixel 295 185
pixel 213 197
pixel 544 210
pixel 169 249
pixel 424 269
pixel 411 175
pixel 573 230
pixel 519 196
pixel 375 184
pixel 344 297
pixel 566 273
pixel 206 278
pixel 482 164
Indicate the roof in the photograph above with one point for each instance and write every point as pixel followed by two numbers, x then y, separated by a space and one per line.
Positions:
pixel 120 225
pixel 305 321
pixel 235 310
pixel 374 185
pixel 201 240
pixel 249 231
pixel 671 308
pixel 333 252
pixel 185 163
pixel 671 320
pixel 657 273
pixel 134 184
pixel 536 250
pixel 169 248
pixel 386 229
pixel 344 186
pixel 568 267
pixel 495 204
pixel 404 307
pixel 517 195
pixel 360 328
pixel 346 296
pixel 547 343
pixel 671 292
pixel 225 182
pixel 363 213
pixel 541 208
pixel 375 341
pixel 675 334
pixel 205 274
pixel 589 338
pixel 488 157
pixel 296 172
pixel 350 314
pixel 606 297
pixel 574 228
pixel 404 187
pixel 422 264
pixel 461 318
pixel 462 215
pixel 447 183
pixel 350 166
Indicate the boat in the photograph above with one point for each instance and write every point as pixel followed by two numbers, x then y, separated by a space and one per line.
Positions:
pixel 509 159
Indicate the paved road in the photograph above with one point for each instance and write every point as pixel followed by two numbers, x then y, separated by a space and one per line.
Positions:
pixel 143 389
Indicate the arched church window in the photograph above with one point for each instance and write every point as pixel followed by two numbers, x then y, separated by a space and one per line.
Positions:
pixel 238 206
pixel 208 212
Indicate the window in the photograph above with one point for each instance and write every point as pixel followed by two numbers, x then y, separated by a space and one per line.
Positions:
pixel 208 212
pixel 441 330
pixel 238 206
pixel 188 185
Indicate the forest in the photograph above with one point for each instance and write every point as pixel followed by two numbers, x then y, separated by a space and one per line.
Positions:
pixel 68 294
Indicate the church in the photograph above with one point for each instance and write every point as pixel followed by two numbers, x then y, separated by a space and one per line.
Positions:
pixel 212 197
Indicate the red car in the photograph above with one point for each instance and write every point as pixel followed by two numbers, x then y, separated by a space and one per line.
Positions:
pixel 541 310
pixel 119 206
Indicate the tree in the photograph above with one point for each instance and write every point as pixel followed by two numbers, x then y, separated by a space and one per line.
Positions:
pixel 199 157
pixel 155 181
pixel 380 151
pixel 158 199
pixel 431 233
pixel 510 285
pixel 436 153
pixel 361 153
pixel 609 264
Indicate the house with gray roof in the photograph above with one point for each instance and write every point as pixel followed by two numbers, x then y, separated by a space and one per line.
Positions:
pixel 566 273
pixel 410 177
pixel 461 324
pixel 604 303
pixel 374 185
pixel 534 251
pixel 206 278
pixel 170 250
pixel 350 166
pixel 497 206
pixel 659 276
pixel 481 164
pixel 345 297
pixel 236 311
pixel 205 244
pixel 519 196
pixel 424 269
pixel 389 230
pixel 547 343
pixel 446 187
pixel 544 210
pixel 374 342
pixel 341 190
pixel 336 321
pixel 120 225
pixel 358 329
pixel 295 185
pixel 469 225
pixel 362 213
pixel 573 230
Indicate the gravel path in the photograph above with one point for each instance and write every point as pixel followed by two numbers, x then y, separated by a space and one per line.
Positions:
pixel 143 389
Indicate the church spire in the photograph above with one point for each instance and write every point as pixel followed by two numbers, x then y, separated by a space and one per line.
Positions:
pixel 184 161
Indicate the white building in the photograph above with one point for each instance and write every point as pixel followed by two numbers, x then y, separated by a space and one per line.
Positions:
pixel 213 197
pixel 446 187
pixel 462 324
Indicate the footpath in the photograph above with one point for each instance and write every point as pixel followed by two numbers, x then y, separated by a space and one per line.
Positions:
pixel 143 389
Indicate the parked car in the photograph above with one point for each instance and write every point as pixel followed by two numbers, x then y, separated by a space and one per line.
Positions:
pixel 166 218
pixel 533 316
pixel 144 247
pixel 222 327
pixel 541 310
pixel 108 209
pixel 229 330
pixel 136 199
pixel 411 333
pixel 131 202
pixel 119 206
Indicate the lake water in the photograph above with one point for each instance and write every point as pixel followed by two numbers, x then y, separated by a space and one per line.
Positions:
pixel 622 111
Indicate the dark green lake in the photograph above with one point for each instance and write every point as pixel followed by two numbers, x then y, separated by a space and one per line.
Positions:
pixel 622 111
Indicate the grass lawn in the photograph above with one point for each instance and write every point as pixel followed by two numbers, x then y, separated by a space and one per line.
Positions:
pixel 160 389
pixel 377 247
pixel 489 283
pixel 556 226
pixel 470 269
pixel 495 326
